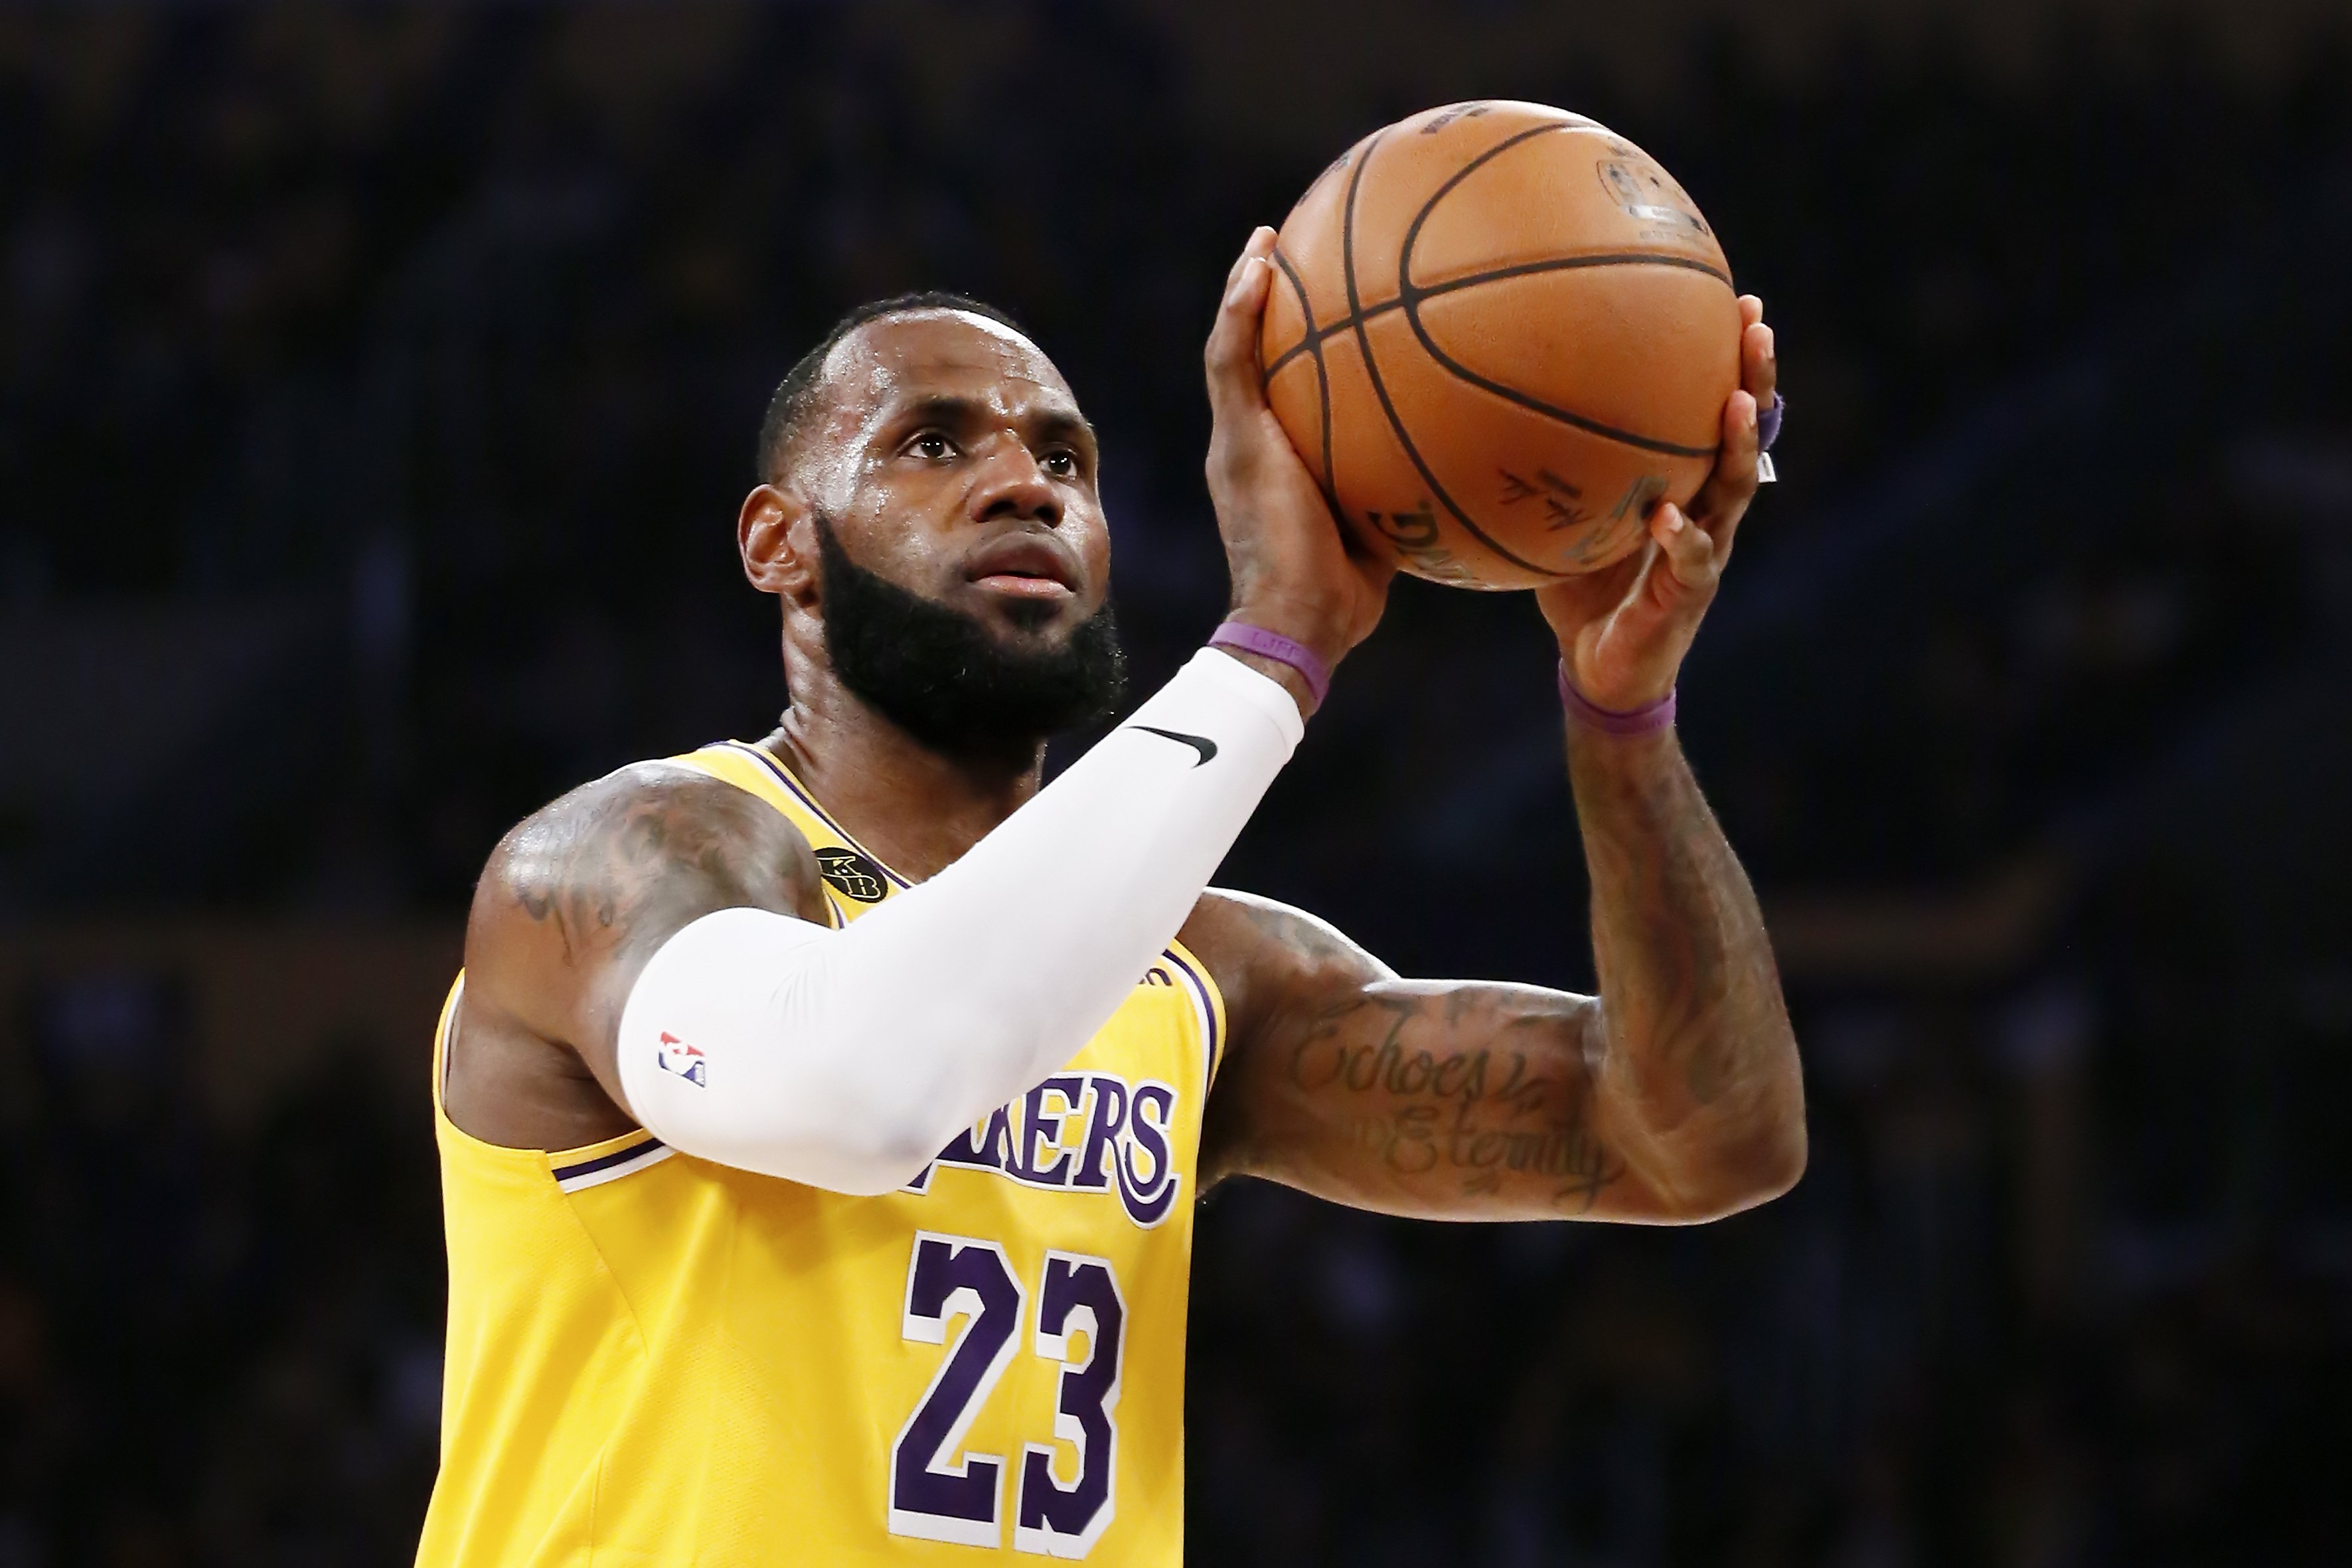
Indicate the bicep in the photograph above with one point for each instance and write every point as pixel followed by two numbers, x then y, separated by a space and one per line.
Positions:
pixel 1446 1100
pixel 576 899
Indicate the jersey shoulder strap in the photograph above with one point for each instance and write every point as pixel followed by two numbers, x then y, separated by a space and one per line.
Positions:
pixel 854 880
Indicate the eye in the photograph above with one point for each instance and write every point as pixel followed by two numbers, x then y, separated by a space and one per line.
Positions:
pixel 1062 463
pixel 931 445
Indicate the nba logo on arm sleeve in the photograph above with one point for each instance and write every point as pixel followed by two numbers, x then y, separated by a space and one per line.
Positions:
pixel 681 1059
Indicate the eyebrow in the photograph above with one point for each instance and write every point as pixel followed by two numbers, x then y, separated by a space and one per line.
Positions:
pixel 936 408
pixel 953 409
pixel 1066 424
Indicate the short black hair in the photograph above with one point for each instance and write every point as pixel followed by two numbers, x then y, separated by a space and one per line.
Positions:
pixel 795 396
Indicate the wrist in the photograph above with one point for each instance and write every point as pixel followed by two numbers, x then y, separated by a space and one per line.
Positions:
pixel 1319 634
pixel 1281 674
pixel 1648 718
pixel 1298 668
pixel 1620 690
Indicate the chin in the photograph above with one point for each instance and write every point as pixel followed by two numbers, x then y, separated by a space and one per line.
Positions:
pixel 1031 623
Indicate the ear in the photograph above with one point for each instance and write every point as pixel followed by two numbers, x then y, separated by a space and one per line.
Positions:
pixel 776 537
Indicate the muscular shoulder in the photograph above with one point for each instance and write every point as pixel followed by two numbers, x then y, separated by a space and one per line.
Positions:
pixel 610 864
pixel 570 906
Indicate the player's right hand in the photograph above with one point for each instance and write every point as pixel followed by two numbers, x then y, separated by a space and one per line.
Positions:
pixel 1293 569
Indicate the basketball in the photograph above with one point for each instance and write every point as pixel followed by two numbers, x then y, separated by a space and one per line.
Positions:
pixel 1500 335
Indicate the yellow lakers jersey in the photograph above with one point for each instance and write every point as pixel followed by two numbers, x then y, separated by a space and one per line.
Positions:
pixel 654 1360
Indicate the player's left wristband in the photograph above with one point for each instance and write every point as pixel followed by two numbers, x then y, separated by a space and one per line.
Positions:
pixel 1646 719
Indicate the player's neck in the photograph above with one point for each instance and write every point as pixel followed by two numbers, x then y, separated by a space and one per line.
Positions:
pixel 916 808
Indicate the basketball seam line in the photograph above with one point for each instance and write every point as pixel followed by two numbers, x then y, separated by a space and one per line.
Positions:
pixel 1322 381
pixel 1380 388
pixel 1410 298
pixel 1316 335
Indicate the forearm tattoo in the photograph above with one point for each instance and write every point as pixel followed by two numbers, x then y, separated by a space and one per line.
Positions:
pixel 1693 1015
pixel 1436 1116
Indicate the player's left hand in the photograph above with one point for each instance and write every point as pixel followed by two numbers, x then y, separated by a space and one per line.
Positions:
pixel 1624 630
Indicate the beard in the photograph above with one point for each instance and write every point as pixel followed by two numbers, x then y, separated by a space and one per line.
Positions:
pixel 945 678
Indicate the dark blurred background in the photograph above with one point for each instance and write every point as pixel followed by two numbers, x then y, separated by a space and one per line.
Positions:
pixel 377 385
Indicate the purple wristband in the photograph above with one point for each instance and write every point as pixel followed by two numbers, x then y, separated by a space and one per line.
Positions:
pixel 1646 719
pixel 1768 424
pixel 1281 649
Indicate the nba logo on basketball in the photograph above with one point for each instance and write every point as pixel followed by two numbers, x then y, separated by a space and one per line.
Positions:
pixel 681 1059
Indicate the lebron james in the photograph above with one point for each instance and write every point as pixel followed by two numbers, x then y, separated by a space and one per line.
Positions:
pixel 820 1118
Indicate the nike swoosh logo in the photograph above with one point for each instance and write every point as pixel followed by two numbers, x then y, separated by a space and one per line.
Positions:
pixel 1200 744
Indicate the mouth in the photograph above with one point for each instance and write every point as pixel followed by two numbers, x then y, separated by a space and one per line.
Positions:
pixel 1025 566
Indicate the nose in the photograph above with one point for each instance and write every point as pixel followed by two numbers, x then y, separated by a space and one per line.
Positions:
pixel 1012 485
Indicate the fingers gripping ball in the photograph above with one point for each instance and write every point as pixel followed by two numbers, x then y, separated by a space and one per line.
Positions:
pixel 1500 334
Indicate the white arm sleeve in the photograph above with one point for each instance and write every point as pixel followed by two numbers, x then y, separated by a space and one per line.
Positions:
pixel 848 1059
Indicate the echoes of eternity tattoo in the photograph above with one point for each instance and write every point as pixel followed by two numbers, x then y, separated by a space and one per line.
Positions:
pixel 1513 1109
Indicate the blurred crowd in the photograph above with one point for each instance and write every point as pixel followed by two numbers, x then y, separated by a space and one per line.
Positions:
pixel 449 326
pixel 219 1343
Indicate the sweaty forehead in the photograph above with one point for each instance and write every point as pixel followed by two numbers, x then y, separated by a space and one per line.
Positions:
pixel 918 354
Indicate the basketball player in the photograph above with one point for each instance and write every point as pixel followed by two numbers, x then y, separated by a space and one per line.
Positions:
pixel 823 1117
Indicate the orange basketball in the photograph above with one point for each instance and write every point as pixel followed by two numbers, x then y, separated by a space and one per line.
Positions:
pixel 1500 334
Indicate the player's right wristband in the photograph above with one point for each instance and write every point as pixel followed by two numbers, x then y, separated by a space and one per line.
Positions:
pixel 1646 719
pixel 1248 639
